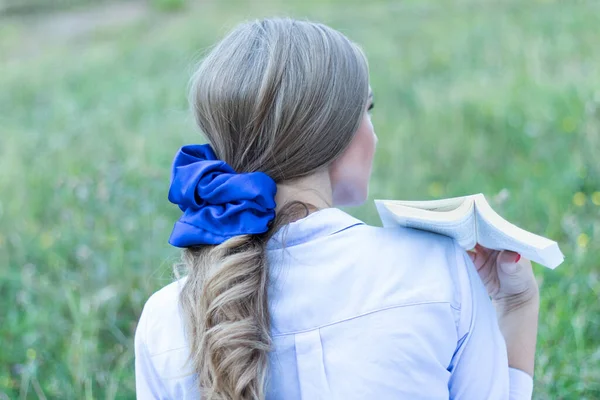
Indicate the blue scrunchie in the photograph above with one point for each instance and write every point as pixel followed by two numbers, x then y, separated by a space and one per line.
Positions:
pixel 217 202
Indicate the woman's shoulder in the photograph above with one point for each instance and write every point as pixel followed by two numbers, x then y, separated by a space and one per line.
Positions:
pixel 426 265
pixel 161 350
pixel 406 245
pixel 400 234
pixel 161 326
pixel 166 299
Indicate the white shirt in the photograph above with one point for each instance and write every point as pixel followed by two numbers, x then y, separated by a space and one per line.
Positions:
pixel 358 312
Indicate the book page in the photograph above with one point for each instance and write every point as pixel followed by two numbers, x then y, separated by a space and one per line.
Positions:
pixel 494 232
pixel 458 223
pixel 441 205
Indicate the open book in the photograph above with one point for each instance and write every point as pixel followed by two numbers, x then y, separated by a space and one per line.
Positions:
pixel 470 220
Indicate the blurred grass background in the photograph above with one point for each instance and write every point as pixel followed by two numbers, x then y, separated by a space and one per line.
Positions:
pixel 499 97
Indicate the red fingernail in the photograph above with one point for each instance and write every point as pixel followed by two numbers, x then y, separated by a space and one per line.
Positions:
pixel 518 258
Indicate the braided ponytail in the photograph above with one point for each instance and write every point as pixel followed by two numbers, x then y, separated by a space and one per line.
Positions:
pixel 229 325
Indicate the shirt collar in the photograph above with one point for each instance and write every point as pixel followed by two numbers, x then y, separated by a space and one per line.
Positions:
pixel 326 222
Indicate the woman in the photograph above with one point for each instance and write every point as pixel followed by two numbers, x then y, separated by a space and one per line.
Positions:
pixel 289 298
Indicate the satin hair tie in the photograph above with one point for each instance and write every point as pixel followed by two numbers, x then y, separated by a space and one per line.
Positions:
pixel 217 202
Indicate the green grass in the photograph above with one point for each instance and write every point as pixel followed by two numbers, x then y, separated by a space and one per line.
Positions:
pixel 480 96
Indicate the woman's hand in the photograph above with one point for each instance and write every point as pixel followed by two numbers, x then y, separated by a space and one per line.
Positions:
pixel 511 284
pixel 507 277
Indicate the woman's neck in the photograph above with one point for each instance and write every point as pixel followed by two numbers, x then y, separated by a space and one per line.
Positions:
pixel 313 190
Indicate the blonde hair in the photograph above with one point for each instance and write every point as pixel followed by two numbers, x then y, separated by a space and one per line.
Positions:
pixel 280 96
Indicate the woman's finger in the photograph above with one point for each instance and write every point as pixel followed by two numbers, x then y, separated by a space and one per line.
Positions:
pixel 508 261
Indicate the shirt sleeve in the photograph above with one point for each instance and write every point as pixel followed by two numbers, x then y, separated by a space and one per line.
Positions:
pixel 148 384
pixel 479 368
pixel 521 385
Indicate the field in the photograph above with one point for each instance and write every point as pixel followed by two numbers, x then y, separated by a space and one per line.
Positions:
pixel 499 97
